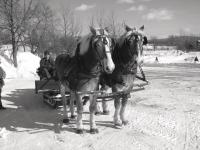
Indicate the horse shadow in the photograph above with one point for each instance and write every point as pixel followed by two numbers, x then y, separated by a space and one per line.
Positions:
pixel 26 112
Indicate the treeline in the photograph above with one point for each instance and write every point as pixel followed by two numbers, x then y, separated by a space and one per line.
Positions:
pixel 35 24
pixel 182 42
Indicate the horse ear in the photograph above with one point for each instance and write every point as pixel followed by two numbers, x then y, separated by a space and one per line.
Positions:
pixel 128 28
pixel 142 28
pixel 107 29
pixel 92 30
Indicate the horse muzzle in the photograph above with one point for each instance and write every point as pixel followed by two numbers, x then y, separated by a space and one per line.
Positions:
pixel 109 67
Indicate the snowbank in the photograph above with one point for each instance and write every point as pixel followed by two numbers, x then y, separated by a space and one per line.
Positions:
pixel 8 68
pixel 27 66
pixel 170 56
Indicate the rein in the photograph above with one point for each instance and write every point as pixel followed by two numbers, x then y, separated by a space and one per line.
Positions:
pixel 143 78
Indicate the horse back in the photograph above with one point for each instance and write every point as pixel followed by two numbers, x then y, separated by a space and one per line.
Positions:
pixel 64 64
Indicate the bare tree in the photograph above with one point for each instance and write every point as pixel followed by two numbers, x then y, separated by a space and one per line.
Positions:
pixel 110 20
pixel 69 24
pixel 116 28
pixel 42 30
pixel 14 14
pixel 70 29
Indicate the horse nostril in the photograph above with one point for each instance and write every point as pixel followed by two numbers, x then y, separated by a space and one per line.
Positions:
pixel 107 68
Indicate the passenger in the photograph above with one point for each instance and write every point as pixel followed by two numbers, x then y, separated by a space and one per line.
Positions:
pixel 47 66
pixel 2 77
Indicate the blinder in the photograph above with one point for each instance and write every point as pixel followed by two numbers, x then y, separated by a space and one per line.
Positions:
pixel 145 41
pixel 101 53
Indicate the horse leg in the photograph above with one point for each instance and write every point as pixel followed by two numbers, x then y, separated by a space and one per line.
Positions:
pixel 79 121
pixel 117 104
pixel 105 107
pixel 98 109
pixel 64 100
pixel 93 105
pixel 104 102
pixel 72 97
pixel 122 110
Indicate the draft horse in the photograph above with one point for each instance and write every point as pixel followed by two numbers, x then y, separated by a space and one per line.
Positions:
pixel 80 73
pixel 127 55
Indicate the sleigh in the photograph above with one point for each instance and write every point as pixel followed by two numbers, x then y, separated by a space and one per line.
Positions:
pixel 50 91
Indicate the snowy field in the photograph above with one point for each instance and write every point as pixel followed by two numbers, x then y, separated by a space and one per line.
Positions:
pixel 166 115
pixel 170 56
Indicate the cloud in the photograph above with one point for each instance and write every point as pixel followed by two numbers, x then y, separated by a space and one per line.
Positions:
pixel 162 14
pixel 139 8
pixel 126 1
pixel 84 7
pixel 185 30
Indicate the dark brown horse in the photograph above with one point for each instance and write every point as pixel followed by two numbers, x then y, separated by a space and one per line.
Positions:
pixel 80 73
pixel 126 56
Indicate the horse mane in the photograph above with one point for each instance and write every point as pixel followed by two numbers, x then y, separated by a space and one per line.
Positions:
pixel 122 54
pixel 84 43
pixel 121 39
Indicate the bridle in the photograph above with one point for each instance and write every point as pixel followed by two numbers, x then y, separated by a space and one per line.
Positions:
pixel 104 40
pixel 135 38
pixel 101 56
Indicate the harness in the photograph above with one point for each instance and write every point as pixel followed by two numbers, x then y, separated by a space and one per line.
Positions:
pixel 126 64
pixel 81 72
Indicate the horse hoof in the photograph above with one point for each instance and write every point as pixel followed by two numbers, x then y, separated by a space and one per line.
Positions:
pixel 125 122
pixel 118 125
pixel 106 112
pixel 73 116
pixel 94 131
pixel 66 121
pixel 97 113
pixel 79 131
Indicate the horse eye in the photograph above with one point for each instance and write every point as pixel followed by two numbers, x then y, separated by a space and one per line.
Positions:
pixel 98 44
pixel 105 41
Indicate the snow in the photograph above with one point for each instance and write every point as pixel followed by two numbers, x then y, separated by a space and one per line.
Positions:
pixel 163 116
pixel 27 66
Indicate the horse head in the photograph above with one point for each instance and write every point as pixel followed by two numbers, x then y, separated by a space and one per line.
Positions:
pixel 135 39
pixel 101 45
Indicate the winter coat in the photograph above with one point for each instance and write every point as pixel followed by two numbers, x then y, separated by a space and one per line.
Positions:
pixel 48 64
pixel 2 77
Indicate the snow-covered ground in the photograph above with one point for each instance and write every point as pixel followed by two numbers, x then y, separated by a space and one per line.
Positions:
pixel 166 115
pixel 170 56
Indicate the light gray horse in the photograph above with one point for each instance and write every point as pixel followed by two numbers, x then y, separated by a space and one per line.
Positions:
pixel 80 73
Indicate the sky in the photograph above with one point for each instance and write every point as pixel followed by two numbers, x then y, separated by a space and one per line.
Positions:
pixel 161 18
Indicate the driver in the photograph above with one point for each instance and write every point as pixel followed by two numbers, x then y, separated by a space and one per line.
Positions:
pixel 47 66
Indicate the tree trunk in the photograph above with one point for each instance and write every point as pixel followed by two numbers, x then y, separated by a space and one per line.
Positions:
pixel 14 47
pixel 14 52
pixel 13 35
